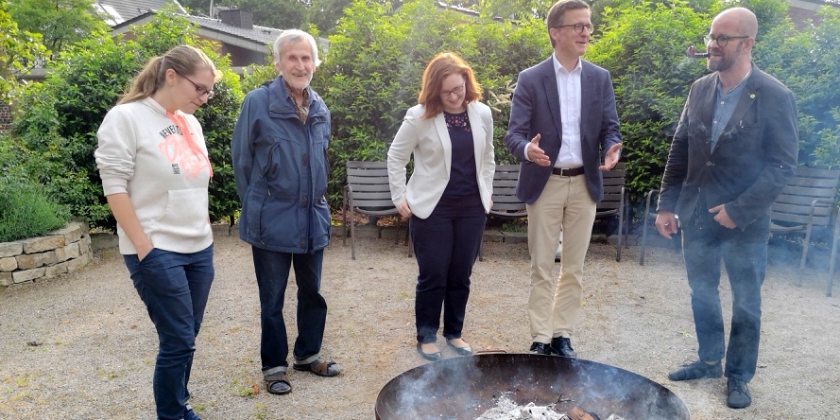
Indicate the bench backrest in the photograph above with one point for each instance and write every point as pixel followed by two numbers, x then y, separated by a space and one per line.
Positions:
pixel 368 184
pixel 613 189
pixel 793 205
pixel 504 192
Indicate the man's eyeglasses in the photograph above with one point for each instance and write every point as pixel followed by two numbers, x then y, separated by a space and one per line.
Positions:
pixel 200 90
pixel 721 40
pixel 578 27
pixel 456 91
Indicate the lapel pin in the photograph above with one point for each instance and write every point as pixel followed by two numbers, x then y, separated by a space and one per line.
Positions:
pixel 752 95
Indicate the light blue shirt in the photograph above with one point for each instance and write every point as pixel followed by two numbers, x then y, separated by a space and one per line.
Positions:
pixel 724 106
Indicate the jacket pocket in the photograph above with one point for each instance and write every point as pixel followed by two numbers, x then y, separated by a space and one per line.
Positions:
pixel 282 171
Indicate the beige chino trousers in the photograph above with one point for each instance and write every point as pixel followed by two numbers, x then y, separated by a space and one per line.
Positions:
pixel 554 304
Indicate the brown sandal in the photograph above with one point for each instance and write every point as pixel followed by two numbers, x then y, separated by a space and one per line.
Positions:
pixel 319 367
pixel 279 386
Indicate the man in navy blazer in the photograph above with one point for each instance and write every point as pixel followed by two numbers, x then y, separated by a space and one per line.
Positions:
pixel 562 121
pixel 734 150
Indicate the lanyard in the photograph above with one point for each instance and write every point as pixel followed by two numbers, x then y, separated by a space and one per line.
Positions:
pixel 181 123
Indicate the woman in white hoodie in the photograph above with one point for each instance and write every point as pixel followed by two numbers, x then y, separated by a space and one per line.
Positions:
pixel 155 173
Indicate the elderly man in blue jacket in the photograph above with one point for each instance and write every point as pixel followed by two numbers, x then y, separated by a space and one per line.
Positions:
pixel 280 164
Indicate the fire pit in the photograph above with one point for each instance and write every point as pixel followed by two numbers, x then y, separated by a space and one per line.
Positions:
pixel 463 388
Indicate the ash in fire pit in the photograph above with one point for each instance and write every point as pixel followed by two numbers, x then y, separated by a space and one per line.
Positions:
pixel 507 409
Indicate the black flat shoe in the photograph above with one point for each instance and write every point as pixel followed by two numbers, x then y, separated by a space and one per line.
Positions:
pixel 429 356
pixel 462 351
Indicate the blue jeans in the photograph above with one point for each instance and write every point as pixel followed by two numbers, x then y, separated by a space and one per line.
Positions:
pixel 272 270
pixel 174 288
pixel 446 245
pixel 745 263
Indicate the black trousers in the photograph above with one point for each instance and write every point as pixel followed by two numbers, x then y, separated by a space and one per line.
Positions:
pixel 446 245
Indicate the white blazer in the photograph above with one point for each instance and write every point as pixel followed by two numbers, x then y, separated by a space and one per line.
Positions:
pixel 429 140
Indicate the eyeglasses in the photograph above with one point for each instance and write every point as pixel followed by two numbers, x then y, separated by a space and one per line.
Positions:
pixel 200 90
pixel 456 91
pixel 578 27
pixel 721 40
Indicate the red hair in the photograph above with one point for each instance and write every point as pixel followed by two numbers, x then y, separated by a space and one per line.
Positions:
pixel 442 66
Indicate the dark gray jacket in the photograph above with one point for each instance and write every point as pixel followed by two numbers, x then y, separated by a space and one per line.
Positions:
pixel 754 159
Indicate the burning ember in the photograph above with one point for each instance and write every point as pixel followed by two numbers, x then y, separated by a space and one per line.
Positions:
pixel 506 409
pixel 691 52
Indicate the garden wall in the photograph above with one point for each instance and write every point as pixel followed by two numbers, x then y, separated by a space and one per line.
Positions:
pixel 59 252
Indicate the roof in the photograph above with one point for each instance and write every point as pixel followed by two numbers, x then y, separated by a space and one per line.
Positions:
pixel 119 11
pixel 261 34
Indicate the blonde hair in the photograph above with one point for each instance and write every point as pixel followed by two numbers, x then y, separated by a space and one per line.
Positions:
pixel 184 59
pixel 442 66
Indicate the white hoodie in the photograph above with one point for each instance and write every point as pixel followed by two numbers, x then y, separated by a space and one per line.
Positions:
pixel 141 152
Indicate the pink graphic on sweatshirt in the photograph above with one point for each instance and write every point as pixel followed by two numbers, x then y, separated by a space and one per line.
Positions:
pixel 179 151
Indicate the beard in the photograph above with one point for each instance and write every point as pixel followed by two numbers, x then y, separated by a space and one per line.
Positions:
pixel 297 84
pixel 725 62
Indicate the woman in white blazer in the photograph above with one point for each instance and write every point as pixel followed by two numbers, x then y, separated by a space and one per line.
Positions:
pixel 447 198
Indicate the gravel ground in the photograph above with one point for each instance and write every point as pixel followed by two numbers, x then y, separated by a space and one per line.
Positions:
pixel 82 346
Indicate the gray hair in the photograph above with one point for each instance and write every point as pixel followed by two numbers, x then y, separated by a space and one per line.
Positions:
pixel 294 36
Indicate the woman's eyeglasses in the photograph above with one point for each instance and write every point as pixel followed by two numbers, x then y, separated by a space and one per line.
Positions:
pixel 201 90
pixel 457 91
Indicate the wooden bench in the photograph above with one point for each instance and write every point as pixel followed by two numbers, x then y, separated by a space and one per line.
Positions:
pixel 367 192
pixel 505 203
pixel 806 202
pixel 613 203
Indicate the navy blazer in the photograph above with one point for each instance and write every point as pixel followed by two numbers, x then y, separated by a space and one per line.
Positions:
pixel 755 156
pixel 536 109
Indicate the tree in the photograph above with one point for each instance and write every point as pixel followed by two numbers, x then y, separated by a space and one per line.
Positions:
pixel 281 14
pixel 60 22
pixel 325 14
pixel 20 50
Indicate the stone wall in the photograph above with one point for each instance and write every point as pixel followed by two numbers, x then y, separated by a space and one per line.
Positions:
pixel 63 251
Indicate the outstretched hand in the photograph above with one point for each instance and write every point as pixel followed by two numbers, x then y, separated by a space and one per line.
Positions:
pixel 611 158
pixel 537 155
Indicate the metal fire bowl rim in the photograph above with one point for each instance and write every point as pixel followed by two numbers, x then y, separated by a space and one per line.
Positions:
pixel 488 358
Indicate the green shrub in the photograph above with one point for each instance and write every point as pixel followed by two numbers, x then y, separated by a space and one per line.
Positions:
pixel 372 72
pixel 643 46
pixel 26 211
pixel 56 131
pixel 806 62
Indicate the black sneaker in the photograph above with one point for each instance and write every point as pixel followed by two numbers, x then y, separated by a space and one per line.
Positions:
pixel 697 370
pixel 737 394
